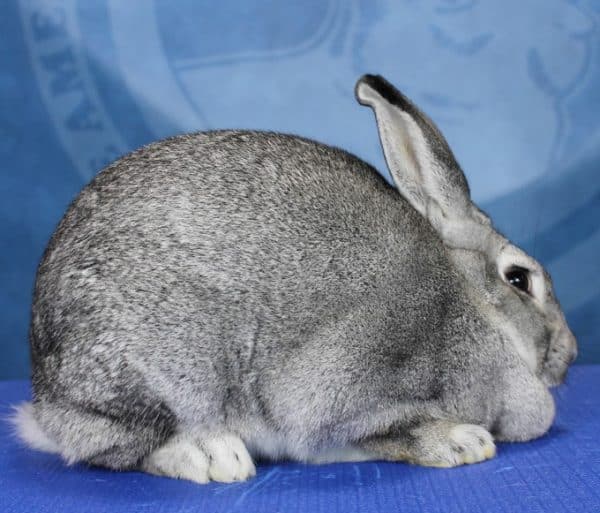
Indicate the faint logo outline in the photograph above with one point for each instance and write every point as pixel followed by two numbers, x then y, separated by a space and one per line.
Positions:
pixel 84 128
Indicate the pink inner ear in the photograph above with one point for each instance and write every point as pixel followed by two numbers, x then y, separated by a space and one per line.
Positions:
pixel 418 158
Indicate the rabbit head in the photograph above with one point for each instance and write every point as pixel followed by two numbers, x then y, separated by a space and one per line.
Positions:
pixel 511 288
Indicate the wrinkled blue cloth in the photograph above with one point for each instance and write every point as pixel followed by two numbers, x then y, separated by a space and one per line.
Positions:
pixel 514 85
pixel 557 473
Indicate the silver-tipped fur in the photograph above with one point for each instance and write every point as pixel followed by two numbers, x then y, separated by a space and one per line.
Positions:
pixel 225 295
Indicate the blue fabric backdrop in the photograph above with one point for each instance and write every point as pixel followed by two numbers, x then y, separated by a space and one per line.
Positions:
pixel 514 85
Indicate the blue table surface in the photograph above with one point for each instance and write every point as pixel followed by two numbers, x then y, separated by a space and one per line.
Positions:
pixel 557 473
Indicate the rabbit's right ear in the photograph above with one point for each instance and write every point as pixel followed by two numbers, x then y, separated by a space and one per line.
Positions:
pixel 422 165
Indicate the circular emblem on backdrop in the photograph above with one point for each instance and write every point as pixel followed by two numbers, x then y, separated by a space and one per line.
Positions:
pixel 194 65
pixel 191 65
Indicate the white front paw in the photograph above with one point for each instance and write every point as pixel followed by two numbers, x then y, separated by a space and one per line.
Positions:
pixel 472 443
pixel 463 444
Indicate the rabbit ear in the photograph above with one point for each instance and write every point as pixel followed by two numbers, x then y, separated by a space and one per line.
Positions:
pixel 420 161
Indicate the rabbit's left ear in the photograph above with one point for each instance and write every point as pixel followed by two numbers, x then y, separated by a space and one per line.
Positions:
pixel 422 164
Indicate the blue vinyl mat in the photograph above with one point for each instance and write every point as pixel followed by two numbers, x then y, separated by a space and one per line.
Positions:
pixel 557 473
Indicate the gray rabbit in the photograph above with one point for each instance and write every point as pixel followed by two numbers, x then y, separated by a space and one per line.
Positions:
pixel 229 295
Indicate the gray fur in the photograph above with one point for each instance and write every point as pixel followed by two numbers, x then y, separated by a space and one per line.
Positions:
pixel 277 289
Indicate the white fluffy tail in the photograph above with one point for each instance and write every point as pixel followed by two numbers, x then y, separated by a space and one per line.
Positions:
pixel 29 431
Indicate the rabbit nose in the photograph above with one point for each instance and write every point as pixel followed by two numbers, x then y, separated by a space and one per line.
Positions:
pixel 572 345
pixel 573 355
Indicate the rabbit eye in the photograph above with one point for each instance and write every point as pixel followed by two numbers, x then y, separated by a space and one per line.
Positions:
pixel 518 278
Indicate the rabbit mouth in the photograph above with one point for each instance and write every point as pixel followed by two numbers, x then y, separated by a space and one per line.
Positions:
pixel 554 375
pixel 561 353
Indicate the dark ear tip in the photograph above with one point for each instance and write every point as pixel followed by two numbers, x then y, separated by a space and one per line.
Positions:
pixel 384 89
pixel 369 80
